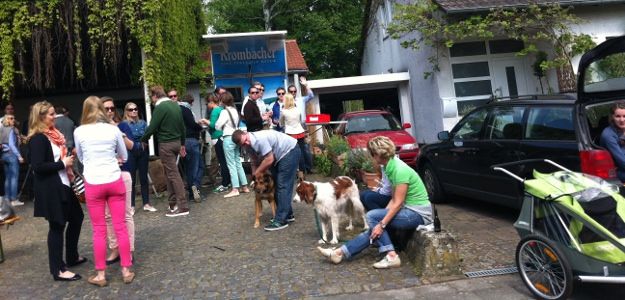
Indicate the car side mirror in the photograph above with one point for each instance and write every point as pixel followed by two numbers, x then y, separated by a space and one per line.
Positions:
pixel 443 135
pixel 406 125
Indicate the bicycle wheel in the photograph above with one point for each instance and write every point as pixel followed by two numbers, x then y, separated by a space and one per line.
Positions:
pixel 545 271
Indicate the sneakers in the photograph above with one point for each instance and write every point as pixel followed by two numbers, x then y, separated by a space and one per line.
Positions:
pixel 196 193
pixel 387 263
pixel 331 255
pixel 275 225
pixel 290 219
pixel 132 210
pixel 149 208
pixel 231 194
pixel 220 189
pixel 178 212
pixel 173 208
pixel 17 203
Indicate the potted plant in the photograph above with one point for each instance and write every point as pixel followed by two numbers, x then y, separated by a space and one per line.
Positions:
pixel 337 151
pixel 360 165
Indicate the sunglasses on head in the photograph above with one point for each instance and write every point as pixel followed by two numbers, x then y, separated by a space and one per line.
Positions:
pixel 110 108
pixel 132 109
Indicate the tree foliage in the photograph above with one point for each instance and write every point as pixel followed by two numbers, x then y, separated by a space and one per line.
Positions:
pixel 532 24
pixel 80 44
pixel 327 31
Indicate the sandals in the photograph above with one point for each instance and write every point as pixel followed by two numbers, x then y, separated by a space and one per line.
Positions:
pixel 100 283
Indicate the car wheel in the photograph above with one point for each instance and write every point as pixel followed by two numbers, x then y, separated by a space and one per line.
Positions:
pixel 435 192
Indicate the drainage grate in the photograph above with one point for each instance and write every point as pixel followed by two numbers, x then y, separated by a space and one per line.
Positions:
pixel 491 272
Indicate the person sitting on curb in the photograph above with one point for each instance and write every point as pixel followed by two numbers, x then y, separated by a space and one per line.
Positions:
pixel 280 152
pixel 409 207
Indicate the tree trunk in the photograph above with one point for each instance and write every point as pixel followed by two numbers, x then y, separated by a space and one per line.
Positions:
pixel 567 82
pixel 267 14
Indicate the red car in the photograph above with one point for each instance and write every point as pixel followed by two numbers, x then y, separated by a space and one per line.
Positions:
pixel 362 125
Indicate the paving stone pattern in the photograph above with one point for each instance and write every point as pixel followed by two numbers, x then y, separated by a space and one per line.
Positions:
pixel 213 253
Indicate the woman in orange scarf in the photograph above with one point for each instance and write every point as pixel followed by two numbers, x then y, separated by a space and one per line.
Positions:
pixel 54 199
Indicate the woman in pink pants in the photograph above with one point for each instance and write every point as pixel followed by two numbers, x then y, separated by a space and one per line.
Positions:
pixel 99 145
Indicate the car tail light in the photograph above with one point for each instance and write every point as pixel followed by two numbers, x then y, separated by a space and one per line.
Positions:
pixel 598 163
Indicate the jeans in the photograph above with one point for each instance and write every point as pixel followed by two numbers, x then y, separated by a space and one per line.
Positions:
pixel 141 158
pixel 233 160
pixel 192 162
pixel 284 173
pixel 305 160
pixel 404 219
pixel 373 200
pixel 113 195
pixel 11 175
pixel 223 165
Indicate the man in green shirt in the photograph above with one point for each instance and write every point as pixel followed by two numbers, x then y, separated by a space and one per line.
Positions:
pixel 168 126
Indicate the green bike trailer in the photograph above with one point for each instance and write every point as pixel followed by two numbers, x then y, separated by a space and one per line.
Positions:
pixel 571 227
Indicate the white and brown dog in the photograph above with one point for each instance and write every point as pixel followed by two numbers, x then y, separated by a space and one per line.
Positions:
pixel 332 200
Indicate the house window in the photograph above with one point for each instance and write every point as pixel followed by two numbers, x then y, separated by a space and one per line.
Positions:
pixel 505 46
pixel 466 70
pixel 467 49
pixel 472 88
pixel 471 64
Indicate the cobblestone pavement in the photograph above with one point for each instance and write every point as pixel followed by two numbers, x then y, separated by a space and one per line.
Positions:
pixel 213 253
pixel 216 253
pixel 484 232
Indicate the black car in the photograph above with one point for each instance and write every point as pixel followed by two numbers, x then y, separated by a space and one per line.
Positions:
pixel 561 128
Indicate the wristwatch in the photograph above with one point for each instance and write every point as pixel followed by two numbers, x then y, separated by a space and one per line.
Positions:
pixel 382 225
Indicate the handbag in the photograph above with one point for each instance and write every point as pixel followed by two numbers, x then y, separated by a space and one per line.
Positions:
pixel 6 210
pixel 78 186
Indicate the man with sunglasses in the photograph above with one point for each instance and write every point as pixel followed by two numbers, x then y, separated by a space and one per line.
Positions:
pixel 173 95
pixel 265 112
pixel 251 114
pixel 277 106
pixel 168 126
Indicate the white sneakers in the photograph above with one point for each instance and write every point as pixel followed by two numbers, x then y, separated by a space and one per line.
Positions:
pixel 331 255
pixel 196 193
pixel 17 203
pixel 388 262
pixel 149 208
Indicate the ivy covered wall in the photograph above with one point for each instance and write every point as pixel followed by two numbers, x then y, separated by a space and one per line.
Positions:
pixel 74 45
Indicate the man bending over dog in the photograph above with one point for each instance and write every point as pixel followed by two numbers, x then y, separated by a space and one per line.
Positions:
pixel 279 152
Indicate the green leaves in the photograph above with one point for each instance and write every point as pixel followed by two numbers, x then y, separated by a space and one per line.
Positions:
pixel 103 32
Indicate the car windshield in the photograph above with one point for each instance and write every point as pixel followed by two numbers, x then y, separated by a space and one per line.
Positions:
pixel 372 123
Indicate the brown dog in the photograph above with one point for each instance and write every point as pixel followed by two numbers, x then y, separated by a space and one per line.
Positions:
pixel 265 189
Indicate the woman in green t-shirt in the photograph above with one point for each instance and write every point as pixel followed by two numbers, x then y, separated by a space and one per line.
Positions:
pixel 409 207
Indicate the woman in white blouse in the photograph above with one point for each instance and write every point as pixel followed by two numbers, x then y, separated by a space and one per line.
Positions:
pixel 291 122
pixel 100 147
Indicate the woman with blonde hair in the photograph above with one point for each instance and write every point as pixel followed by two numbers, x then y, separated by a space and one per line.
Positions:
pixel 9 137
pixel 99 146
pixel 52 173
pixel 409 207
pixel 139 156
pixel 290 120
